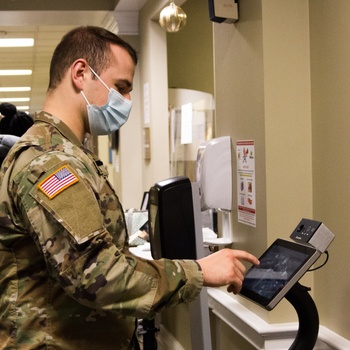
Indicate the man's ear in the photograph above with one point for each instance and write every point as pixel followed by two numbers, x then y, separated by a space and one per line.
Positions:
pixel 79 73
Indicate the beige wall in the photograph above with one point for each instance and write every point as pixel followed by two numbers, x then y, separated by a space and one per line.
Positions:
pixel 153 68
pixel 268 100
pixel 330 82
pixel 190 51
pixel 295 107
pixel 281 77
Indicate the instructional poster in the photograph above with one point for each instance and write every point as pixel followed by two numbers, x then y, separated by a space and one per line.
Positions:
pixel 246 204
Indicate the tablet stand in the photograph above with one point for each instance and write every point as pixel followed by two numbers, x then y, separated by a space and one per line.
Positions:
pixel 306 309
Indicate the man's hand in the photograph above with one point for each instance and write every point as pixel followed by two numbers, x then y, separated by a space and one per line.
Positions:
pixel 225 268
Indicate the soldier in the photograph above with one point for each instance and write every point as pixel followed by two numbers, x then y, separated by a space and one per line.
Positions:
pixel 67 278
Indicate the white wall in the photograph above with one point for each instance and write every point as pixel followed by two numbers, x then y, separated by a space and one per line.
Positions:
pixel 153 68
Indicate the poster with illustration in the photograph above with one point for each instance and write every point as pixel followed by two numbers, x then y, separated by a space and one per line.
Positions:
pixel 246 203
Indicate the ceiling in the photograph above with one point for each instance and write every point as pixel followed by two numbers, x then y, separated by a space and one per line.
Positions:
pixel 47 21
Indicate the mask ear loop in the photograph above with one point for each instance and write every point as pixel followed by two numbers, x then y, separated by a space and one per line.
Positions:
pixel 85 98
pixel 100 79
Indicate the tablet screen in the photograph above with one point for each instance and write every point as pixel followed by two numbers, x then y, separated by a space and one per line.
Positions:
pixel 281 266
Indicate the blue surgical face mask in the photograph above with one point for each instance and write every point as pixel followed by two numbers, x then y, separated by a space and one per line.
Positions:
pixel 109 118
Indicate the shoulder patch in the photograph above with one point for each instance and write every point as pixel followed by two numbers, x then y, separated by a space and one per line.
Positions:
pixel 58 182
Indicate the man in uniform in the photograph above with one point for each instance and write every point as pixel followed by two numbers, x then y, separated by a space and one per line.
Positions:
pixel 67 278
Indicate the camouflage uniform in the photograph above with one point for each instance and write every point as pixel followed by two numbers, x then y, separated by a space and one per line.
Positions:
pixel 67 278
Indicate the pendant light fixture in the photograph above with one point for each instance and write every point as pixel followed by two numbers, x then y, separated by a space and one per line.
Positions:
pixel 172 18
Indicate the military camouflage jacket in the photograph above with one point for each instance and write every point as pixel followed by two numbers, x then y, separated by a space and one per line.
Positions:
pixel 67 278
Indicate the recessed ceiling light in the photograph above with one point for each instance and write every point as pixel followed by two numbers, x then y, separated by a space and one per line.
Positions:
pixel 16 42
pixel 15 99
pixel 15 71
pixel 15 88
pixel 22 108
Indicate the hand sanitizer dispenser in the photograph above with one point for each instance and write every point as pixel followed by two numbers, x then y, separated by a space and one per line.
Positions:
pixel 214 173
pixel 214 176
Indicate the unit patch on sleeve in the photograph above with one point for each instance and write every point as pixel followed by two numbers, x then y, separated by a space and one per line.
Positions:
pixel 58 181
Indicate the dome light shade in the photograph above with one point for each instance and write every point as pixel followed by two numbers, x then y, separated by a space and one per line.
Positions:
pixel 172 18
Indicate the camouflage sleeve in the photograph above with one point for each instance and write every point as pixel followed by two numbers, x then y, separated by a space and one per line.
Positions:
pixel 66 222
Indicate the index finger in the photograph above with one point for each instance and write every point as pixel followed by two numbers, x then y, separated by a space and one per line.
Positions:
pixel 245 256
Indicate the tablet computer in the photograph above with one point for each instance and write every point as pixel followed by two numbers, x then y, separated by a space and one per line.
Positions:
pixel 281 266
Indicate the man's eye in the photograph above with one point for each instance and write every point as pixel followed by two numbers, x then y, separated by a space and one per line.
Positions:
pixel 121 89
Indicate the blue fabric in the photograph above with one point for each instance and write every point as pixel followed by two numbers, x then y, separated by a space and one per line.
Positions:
pixel 6 142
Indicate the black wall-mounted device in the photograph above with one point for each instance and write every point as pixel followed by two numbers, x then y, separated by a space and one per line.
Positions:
pixel 171 219
pixel 223 11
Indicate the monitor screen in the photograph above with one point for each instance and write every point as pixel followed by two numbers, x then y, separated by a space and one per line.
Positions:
pixel 145 201
pixel 281 266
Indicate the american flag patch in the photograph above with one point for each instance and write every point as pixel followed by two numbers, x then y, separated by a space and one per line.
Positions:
pixel 58 181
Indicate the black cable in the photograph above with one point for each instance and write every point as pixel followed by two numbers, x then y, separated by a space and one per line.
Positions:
pixel 325 262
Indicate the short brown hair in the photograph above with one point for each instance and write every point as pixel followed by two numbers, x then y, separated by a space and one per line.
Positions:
pixel 90 43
